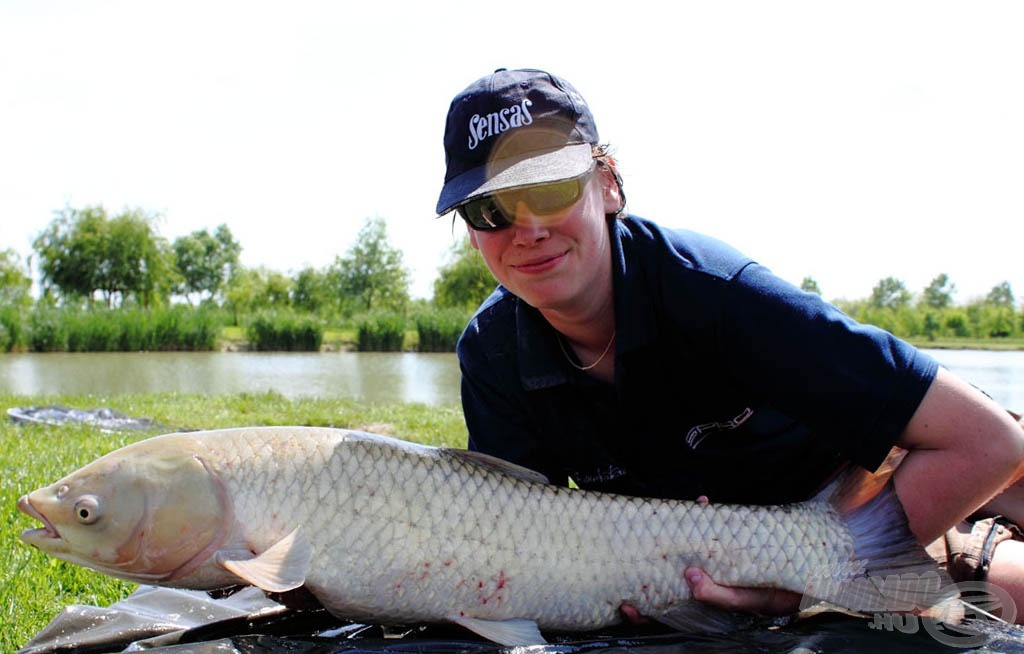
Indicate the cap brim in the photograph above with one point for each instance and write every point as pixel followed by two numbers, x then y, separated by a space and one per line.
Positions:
pixel 564 163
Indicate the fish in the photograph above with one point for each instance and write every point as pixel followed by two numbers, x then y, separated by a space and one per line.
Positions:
pixel 387 531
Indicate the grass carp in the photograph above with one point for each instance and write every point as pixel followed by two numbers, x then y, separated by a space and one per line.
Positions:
pixel 386 531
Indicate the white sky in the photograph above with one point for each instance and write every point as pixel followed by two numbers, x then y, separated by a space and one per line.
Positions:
pixel 847 141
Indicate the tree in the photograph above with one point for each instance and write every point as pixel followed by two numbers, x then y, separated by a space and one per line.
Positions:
pixel 997 312
pixel 14 283
pixel 277 289
pixel 809 285
pixel 939 293
pixel 1001 295
pixel 371 275
pixel 465 281
pixel 958 323
pixel 140 261
pixel 205 261
pixel 83 252
pixel 312 291
pixel 889 293
pixel 70 250
pixel 252 289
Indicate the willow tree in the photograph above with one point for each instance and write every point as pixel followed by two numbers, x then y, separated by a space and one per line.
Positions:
pixel 85 252
pixel 372 274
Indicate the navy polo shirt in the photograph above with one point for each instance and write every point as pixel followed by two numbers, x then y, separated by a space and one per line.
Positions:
pixel 729 381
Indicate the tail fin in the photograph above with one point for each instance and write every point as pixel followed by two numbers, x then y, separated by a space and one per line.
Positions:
pixel 853 487
pixel 891 571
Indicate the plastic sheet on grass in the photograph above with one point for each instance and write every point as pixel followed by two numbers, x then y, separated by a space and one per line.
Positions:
pixel 171 621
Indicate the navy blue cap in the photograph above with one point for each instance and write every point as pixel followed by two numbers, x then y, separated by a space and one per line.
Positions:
pixel 511 129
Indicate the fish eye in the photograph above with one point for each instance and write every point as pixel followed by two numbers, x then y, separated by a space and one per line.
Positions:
pixel 87 510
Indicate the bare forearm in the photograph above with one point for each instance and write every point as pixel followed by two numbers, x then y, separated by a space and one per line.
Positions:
pixel 963 450
pixel 1010 502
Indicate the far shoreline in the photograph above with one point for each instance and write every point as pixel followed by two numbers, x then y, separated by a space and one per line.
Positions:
pixel 988 344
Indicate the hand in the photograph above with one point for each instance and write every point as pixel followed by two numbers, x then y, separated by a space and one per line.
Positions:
pixel 632 616
pixel 1009 504
pixel 765 601
pixel 704 589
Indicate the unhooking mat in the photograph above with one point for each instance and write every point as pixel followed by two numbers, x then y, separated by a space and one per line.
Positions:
pixel 172 621
pixel 56 414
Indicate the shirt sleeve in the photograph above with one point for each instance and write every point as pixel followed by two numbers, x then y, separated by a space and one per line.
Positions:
pixel 854 383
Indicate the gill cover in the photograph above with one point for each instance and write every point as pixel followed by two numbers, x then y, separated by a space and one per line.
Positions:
pixel 148 512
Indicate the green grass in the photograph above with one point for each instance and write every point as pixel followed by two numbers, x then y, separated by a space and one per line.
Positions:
pixel 34 587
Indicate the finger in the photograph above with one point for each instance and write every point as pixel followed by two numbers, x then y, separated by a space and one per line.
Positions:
pixel 631 615
pixel 767 601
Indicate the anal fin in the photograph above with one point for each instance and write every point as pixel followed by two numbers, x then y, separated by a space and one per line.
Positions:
pixel 510 633
pixel 692 616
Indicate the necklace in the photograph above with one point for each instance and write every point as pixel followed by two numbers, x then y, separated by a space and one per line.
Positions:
pixel 596 361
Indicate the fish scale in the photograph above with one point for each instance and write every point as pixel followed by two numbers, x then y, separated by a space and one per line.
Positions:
pixel 484 550
pixel 386 531
pixel 486 543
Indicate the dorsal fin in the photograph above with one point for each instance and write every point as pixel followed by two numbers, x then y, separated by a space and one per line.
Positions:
pixel 494 463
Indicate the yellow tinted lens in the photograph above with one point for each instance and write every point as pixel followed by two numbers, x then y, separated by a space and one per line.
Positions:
pixel 550 198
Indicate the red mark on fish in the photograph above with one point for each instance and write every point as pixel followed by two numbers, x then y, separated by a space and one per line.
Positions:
pixel 492 590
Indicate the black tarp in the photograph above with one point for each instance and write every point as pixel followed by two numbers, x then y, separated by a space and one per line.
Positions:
pixel 177 622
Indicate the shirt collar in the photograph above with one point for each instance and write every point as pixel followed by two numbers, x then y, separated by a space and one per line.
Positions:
pixel 541 361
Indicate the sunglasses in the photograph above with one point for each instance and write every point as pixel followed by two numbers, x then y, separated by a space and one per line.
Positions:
pixel 497 211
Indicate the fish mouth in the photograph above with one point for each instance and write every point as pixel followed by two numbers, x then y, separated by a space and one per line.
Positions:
pixel 49 540
pixel 45 534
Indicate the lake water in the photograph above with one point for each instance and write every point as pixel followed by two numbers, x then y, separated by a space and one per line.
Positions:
pixel 368 376
pixel 1000 374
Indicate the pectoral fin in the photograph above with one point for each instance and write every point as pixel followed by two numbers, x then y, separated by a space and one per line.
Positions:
pixel 280 568
pixel 504 632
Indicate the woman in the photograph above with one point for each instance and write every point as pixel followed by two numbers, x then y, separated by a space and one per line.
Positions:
pixel 637 359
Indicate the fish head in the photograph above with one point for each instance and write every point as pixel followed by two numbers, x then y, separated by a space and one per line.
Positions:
pixel 151 512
